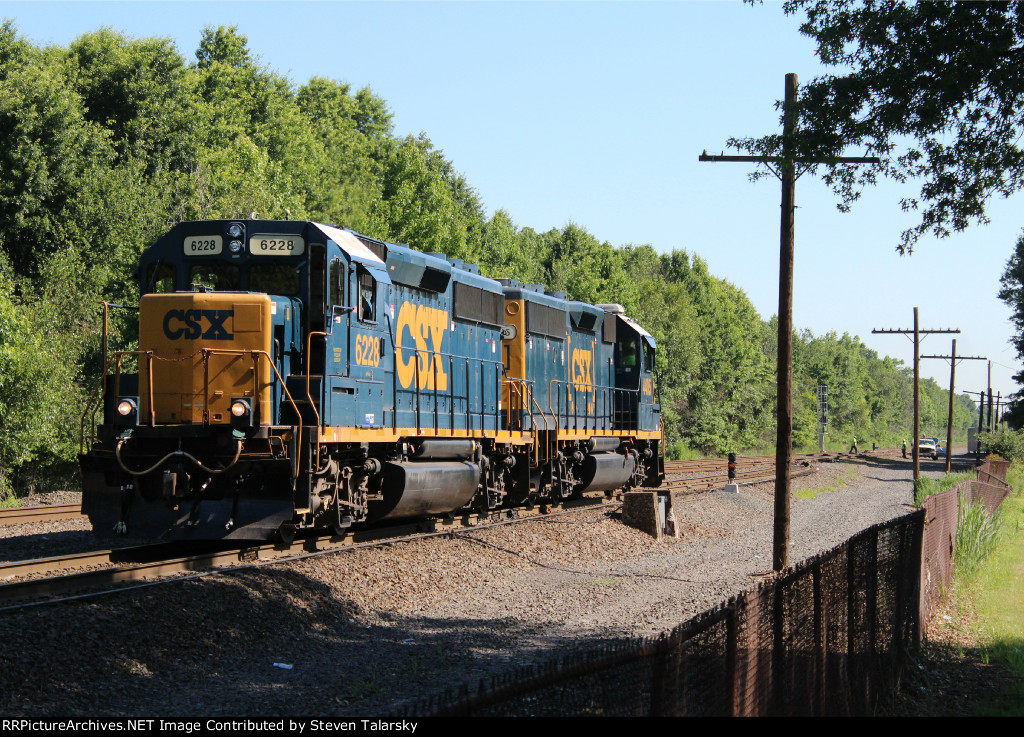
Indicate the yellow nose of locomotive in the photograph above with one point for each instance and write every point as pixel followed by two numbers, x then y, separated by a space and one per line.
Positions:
pixel 200 352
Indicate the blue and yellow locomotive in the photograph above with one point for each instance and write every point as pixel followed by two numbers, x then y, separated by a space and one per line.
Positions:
pixel 296 375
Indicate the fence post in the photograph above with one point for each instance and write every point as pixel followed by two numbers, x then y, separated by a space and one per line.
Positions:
pixel 779 681
pixel 819 643
pixel 730 659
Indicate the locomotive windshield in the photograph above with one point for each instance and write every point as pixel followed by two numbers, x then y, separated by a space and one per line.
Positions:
pixel 215 276
pixel 270 277
pixel 277 277
pixel 160 278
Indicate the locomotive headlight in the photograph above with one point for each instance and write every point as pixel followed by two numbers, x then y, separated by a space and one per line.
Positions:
pixel 235 246
pixel 241 412
pixel 235 230
pixel 127 409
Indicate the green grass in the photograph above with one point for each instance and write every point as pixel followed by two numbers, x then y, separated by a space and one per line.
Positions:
pixel 924 487
pixel 977 536
pixel 840 483
pixel 680 451
pixel 995 588
pixel 7 498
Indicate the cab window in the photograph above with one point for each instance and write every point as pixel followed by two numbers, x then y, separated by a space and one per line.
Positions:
pixel 628 350
pixel 219 277
pixel 160 278
pixel 367 296
pixel 274 277
pixel 336 282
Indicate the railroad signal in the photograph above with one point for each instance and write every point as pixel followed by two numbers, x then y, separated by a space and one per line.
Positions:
pixel 822 415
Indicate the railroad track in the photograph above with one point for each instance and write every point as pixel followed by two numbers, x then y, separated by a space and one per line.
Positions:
pixel 42 581
pixel 714 471
pixel 43 513
pixel 31 582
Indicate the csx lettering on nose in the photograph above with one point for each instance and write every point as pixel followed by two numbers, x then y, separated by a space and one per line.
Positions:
pixel 188 324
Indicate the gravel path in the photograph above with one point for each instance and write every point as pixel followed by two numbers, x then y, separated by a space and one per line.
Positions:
pixel 365 631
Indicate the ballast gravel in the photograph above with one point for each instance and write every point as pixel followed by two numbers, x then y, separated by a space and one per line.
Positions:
pixel 372 631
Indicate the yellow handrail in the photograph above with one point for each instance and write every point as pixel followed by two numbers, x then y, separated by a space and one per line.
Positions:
pixel 206 352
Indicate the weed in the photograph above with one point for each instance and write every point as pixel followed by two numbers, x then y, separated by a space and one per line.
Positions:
pixel 925 487
pixel 7 497
pixel 977 534
pixel 840 483
pixel 680 451
pixel 992 585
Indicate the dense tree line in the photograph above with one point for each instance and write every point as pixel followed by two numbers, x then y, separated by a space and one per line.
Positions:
pixel 107 143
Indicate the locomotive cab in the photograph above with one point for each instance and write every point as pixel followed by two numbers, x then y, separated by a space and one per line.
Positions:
pixel 636 406
pixel 202 437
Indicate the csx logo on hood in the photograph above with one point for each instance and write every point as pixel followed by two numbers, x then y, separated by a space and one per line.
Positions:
pixel 188 324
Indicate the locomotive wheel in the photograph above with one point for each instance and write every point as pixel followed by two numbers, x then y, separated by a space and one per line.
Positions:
pixel 286 533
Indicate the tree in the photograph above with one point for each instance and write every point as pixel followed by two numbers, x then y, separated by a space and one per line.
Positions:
pixel 37 390
pixel 933 89
pixel 1012 293
pixel 139 91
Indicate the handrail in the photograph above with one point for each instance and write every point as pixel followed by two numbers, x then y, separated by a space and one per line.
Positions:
pixel 427 356
pixel 100 386
pixel 605 391
pixel 206 352
pixel 518 385
pixel 547 429
pixel 309 345
pixel 309 397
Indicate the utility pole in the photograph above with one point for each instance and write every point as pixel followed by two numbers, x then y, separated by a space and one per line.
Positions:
pixel 952 375
pixel 917 382
pixel 784 375
pixel 990 428
pixel 981 411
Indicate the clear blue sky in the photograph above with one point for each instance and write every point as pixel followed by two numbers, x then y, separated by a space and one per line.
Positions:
pixel 595 113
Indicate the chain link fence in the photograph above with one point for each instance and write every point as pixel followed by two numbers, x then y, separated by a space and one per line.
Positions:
pixel 942 513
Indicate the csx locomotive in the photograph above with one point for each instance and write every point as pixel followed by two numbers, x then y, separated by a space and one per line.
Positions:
pixel 295 375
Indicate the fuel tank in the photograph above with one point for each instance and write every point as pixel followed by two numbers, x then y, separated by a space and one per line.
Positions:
pixel 419 488
pixel 607 471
